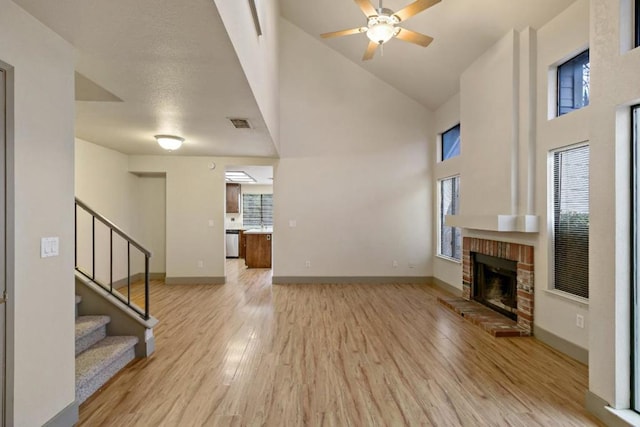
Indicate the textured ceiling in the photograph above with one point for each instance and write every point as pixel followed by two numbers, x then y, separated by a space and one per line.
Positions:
pixel 172 65
pixel 463 30
pixel 174 69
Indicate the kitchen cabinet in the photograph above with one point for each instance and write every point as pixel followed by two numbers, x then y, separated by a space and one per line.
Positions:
pixel 233 198
pixel 258 250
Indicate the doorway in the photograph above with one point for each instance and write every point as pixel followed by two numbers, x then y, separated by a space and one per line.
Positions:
pixel 249 215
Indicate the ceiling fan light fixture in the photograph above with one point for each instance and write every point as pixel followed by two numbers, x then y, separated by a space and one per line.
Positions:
pixel 169 142
pixel 381 33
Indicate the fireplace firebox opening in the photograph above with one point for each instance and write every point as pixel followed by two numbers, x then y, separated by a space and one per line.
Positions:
pixel 495 284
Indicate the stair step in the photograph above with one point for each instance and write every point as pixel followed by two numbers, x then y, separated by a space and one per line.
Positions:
pixel 99 363
pixel 90 330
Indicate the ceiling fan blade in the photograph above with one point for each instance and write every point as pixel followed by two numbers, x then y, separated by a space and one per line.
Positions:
pixel 343 32
pixel 415 8
pixel 371 50
pixel 367 8
pixel 415 38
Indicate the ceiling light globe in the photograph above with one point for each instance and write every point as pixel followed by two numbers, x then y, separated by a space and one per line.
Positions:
pixel 169 142
pixel 380 33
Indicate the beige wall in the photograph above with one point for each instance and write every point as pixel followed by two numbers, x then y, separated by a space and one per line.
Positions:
pixel 104 183
pixel 505 140
pixel 151 208
pixel 355 170
pixel 614 87
pixel 42 186
pixel 447 116
pixel 194 197
pixel 258 55
pixel 559 40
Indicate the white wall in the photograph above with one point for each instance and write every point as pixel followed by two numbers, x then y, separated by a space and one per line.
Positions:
pixel 447 116
pixel 151 202
pixel 487 115
pixel 559 40
pixel 258 55
pixel 195 194
pixel 43 302
pixel 505 139
pixel 104 183
pixel 355 169
pixel 614 87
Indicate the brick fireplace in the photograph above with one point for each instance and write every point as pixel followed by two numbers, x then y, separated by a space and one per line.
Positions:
pixel 522 255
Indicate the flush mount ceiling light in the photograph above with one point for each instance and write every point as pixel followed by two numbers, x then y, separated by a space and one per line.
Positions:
pixel 239 177
pixel 384 24
pixel 169 142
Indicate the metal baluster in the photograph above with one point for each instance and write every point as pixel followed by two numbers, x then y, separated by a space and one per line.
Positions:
pixel 93 248
pixel 128 274
pixel 111 260
pixel 75 235
pixel 146 286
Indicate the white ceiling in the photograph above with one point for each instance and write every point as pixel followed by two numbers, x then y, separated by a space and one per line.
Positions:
pixel 463 30
pixel 172 65
pixel 168 67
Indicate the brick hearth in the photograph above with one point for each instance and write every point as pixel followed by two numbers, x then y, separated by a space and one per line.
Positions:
pixel 522 254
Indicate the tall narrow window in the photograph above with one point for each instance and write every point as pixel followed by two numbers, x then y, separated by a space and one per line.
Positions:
pixel 450 238
pixel 635 265
pixel 573 83
pixel 257 210
pixel 450 143
pixel 571 220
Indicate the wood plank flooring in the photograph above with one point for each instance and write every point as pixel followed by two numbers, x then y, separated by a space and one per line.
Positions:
pixel 250 354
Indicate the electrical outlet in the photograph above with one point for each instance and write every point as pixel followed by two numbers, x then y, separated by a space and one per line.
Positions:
pixel 200 263
pixel 395 264
pixel 292 223
pixel 307 264
pixel 579 320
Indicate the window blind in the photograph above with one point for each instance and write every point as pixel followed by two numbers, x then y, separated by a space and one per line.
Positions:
pixel 571 220
pixel 257 210
pixel 450 237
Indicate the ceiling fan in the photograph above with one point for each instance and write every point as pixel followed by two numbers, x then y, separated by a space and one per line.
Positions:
pixel 383 25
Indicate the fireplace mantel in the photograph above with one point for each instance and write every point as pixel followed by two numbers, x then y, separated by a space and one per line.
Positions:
pixel 503 223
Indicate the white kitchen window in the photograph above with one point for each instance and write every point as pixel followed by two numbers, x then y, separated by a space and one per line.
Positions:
pixel 257 210
pixel 449 238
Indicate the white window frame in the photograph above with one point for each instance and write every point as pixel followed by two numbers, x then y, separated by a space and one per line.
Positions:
pixel 439 220
pixel 551 287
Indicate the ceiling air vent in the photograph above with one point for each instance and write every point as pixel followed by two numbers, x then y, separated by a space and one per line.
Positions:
pixel 240 123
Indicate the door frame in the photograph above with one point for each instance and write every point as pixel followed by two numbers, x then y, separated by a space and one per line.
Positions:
pixel 9 244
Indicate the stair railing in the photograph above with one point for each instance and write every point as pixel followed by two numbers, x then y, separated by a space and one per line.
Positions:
pixel 113 229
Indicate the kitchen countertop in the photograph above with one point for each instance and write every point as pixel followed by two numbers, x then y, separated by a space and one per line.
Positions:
pixel 265 230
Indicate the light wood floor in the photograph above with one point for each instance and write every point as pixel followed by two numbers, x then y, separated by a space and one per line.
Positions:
pixel 248 353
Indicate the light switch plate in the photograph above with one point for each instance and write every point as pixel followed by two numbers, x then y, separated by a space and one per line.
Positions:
pixel 292 223
pixel 49 246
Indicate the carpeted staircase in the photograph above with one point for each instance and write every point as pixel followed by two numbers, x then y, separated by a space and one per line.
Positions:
pixel 98 356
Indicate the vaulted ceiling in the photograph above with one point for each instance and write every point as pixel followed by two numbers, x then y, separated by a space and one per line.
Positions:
pixel 462 31
pixel 151 67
